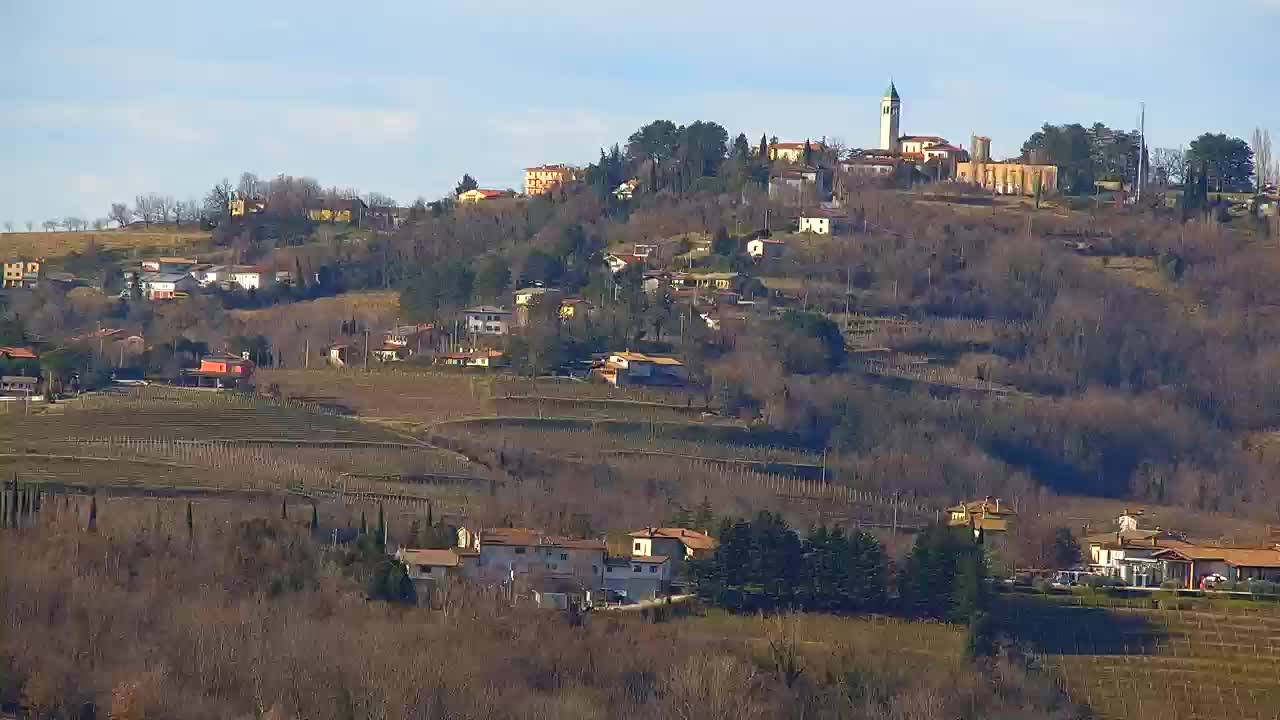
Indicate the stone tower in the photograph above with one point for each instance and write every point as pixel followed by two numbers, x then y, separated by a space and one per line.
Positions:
pixel 890 116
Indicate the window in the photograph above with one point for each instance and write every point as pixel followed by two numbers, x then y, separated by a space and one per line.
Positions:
pixel 653 568
pixel 638 546
pixel 424 569
pixel 636 569
pixel 564 556
pixel 519 551
pixel 595 570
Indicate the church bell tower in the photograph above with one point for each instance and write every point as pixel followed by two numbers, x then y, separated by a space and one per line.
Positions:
pixel 890 116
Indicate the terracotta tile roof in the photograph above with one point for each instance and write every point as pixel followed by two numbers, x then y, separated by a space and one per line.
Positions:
pixel 445 558
pixel 918 138
pixel 1239 557
pixel 21 353
pixel 691 538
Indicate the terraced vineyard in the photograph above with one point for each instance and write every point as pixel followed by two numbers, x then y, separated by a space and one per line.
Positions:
pixel 165 413
pixel 1150 663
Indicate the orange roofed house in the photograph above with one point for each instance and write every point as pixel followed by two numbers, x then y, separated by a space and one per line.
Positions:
pixel 545 178
pixel 476 195
pixel 679 544
pixel 220 370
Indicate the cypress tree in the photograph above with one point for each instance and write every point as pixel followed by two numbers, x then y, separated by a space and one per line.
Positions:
pixel 191 522
pixel 93 514
pixel 764 148
pixel 364 524
pixel 430 515
pixel 4 510
pixel 284 509
pixel 382 528
pixel 315 519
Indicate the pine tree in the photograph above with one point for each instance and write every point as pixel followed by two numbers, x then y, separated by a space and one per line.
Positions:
pixel 93 514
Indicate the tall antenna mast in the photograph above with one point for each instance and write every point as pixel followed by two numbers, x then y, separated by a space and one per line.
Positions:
pixel 1142 151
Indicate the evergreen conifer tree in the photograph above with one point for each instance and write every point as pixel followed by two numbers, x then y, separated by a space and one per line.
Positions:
pixel 364 524
pixel 191 522
pixel 93 514
pixel 381 540
pixel 315 519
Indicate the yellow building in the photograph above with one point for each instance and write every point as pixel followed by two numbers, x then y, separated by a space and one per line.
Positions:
pixel 19 272
pixel 545 178
pixel 988 515
pixel 240 206
pixel 793 152
pixel 481 194
pixel 1009 178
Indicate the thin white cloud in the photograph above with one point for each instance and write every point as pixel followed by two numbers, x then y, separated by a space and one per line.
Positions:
pixel 359 125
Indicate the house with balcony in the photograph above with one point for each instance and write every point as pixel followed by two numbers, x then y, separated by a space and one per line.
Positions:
pixel 22 272
pixel 487 320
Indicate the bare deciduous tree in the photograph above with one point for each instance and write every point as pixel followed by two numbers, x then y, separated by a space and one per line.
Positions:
pixel 1167 165
pixel 99 223
pixel 8 226
pixel 50 225
pixel 121 214
pixel 165 207
pixel 1263 162
pixel 30 225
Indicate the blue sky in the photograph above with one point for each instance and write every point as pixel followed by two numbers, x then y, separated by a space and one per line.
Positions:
pixel 101 101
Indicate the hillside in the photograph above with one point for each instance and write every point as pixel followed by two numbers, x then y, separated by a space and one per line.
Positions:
pixel 58 243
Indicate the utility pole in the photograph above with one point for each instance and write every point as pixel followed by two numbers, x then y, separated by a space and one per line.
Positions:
pixel 306 357
pixel 366 349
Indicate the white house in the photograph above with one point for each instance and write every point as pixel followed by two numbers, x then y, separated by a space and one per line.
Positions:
pixel 210 274
pixel 766 248
pixel 162 286
pixel 252 278
pixel 821 222
pixel 487 320
pixel 508 554
pixel 618 262
pixel 632 368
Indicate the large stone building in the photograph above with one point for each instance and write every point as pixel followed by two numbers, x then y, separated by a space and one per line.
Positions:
pixel 1009 177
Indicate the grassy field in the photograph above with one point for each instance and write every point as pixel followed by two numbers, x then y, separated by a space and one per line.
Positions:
pixel 409 398
pixel 1153 663
pixel 57 244
pixel 372 304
